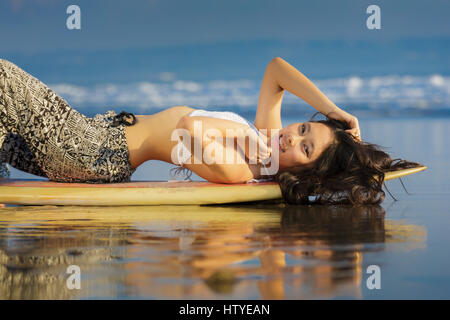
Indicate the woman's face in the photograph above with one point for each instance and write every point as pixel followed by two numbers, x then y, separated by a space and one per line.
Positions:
pixel 300 144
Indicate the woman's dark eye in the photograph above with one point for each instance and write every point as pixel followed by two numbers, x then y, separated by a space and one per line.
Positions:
pixel 303 128
pixel 307 150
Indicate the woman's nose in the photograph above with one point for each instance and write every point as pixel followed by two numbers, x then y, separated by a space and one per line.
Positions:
pixel 291 140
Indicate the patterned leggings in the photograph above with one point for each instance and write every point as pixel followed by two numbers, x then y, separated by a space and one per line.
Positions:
pixel 41 134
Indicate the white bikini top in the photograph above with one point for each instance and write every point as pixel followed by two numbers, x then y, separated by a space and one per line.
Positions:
pixel 225 115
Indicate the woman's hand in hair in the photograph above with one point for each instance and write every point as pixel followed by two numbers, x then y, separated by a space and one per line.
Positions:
pixel 351 120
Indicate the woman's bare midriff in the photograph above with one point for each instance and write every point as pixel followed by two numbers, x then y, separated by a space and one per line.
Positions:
pixel 150 137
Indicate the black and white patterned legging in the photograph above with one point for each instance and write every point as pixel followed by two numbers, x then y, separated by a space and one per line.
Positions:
pixel 42 135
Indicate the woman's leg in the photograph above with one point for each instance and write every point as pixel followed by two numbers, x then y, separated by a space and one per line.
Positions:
pixel 46 135
pixel 16 152
pixel 13 148
pixel 51 139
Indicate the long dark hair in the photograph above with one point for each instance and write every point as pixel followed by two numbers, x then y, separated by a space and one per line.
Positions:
pixel 345 173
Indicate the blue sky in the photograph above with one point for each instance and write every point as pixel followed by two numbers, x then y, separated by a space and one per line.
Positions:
pixel 31 27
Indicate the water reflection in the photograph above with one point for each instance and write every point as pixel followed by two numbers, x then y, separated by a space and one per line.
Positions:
pixel 240 252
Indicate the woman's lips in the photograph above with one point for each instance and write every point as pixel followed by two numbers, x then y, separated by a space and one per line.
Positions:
pixel 277 142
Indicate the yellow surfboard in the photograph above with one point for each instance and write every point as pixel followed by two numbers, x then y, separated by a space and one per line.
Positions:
pixel 44 192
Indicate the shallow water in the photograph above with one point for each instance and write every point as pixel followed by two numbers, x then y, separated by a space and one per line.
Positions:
pixel 197 252
pixel 264 251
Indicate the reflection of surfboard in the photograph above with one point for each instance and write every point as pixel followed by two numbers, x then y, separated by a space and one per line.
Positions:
pixel 40 192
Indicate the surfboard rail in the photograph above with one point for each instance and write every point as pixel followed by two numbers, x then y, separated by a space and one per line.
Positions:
pixel 44 192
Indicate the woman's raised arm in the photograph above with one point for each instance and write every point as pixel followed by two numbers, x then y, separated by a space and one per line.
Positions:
pixel 280 76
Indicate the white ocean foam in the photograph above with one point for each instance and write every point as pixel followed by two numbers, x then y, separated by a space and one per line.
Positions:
pixel 403 91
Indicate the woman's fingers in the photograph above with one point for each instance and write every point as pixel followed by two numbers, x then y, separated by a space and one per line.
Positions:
pixel 257 151
pixel 264 152
pixel 264 156
pixel 351 121
pixel 355 133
